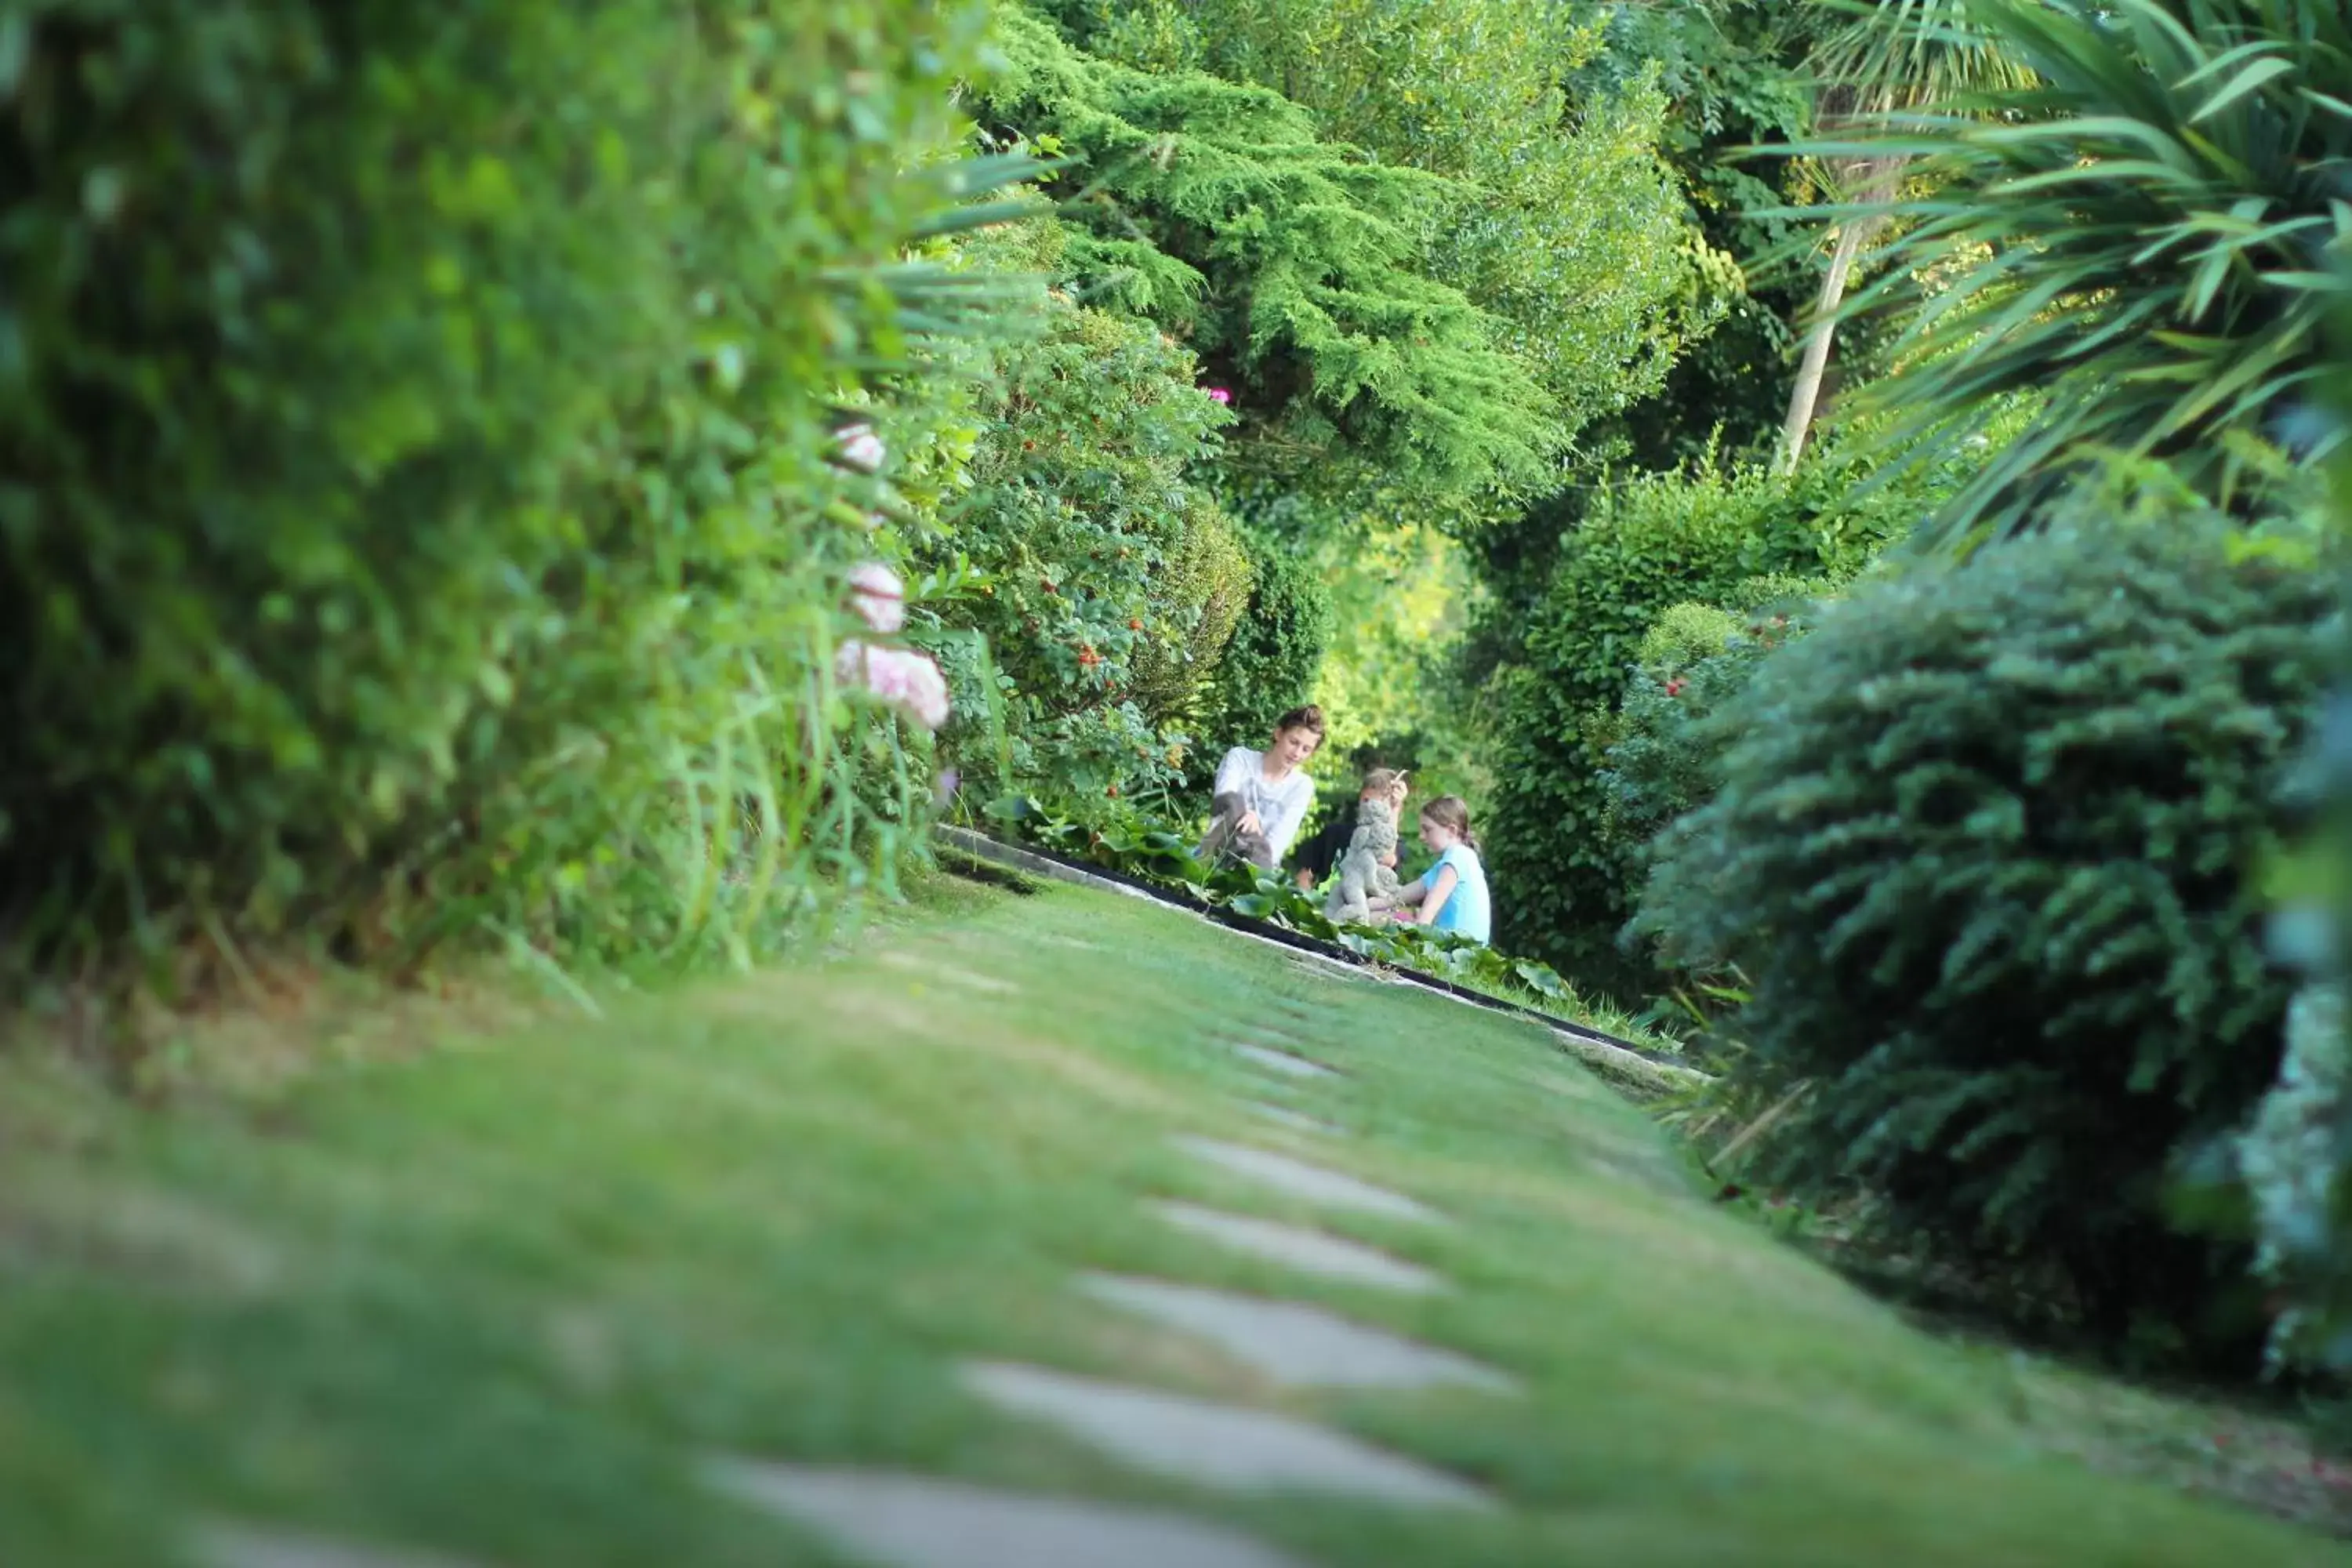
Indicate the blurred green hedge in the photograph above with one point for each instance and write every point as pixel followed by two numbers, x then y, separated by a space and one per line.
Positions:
pixel 416 512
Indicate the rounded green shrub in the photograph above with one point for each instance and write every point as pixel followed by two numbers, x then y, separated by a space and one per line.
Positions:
pixel 1204 592
pixel 1683 706
pixel 1277 644
pixel 1983 847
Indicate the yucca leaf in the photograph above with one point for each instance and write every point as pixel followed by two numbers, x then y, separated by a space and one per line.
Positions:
pixel 2252 79
pixel 981 215
pixel 2227 59
pixel 2153 210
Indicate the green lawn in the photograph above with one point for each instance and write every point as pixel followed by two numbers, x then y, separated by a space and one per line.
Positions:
pixel 499 1298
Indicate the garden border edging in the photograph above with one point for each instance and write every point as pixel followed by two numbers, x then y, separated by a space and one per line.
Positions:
pixel 1596 1048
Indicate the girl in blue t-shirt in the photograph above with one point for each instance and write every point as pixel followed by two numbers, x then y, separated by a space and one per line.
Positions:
pixel 1451 896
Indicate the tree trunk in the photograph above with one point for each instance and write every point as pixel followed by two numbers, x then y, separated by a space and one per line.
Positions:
pixel 1807 392
pixel 1877 177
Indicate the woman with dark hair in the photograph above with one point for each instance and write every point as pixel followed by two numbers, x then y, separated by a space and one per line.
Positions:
pixel 1261 797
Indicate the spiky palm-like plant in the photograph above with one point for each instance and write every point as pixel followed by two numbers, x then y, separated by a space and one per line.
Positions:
pixel 1898 58
pixel 2154 224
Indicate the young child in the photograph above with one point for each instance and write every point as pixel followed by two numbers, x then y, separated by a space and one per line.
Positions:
pixel 1320 855
pixel 1451 896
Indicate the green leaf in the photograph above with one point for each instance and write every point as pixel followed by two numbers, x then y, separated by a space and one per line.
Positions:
pixel 2252 79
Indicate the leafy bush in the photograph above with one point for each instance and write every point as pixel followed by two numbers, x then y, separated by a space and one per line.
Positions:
pixel 1982 848
pixel 2294 1160
pixel 419 516
pixel 1683 707
pixel 1203 592
pixel 1277 644
pixel 1108 580
pixel 1564 883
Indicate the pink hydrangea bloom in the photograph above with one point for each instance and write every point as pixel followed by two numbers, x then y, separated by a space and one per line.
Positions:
pixel 860 447
pixel 881 599
pixel 1220 395
pixel 898 676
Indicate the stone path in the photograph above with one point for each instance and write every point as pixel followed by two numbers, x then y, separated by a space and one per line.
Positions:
pixel 1283 1116
pixel 911 1522
pixel 1228 1448
pixel 931 968
pixel 899 1521
pixel 1308 1251
pixel 240 1546
pixel 1285 1062
pixel 1292 1343
pixel 1312 1182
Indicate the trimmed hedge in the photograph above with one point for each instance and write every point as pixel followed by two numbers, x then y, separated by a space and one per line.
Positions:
pixel 1564 883
pixel 1984 849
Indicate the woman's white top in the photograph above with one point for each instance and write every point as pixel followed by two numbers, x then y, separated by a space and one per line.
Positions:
pixel 1280 804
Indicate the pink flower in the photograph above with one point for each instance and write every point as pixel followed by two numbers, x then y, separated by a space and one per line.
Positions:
pixel 879 597
pixel 898 676
pixel 944 786
pixel 1220 395
pixel 860 447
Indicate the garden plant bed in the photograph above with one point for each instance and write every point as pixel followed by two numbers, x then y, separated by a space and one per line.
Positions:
pixel 1667 1070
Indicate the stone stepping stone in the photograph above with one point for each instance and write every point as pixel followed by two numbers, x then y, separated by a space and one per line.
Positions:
pixel 1282 1116
pixel 913 1521
pixel 241 1546
pixel 1301 1180
pixel 1295 1344
pixel 1058 939
pixel 945 973
pixel 1309 1252
pixel 1284 1062
pixel 1217 1445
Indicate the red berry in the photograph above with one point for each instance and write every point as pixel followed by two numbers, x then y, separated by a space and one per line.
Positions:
pixel 1134 625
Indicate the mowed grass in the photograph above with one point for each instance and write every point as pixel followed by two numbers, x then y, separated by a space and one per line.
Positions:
pixel 499 1298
